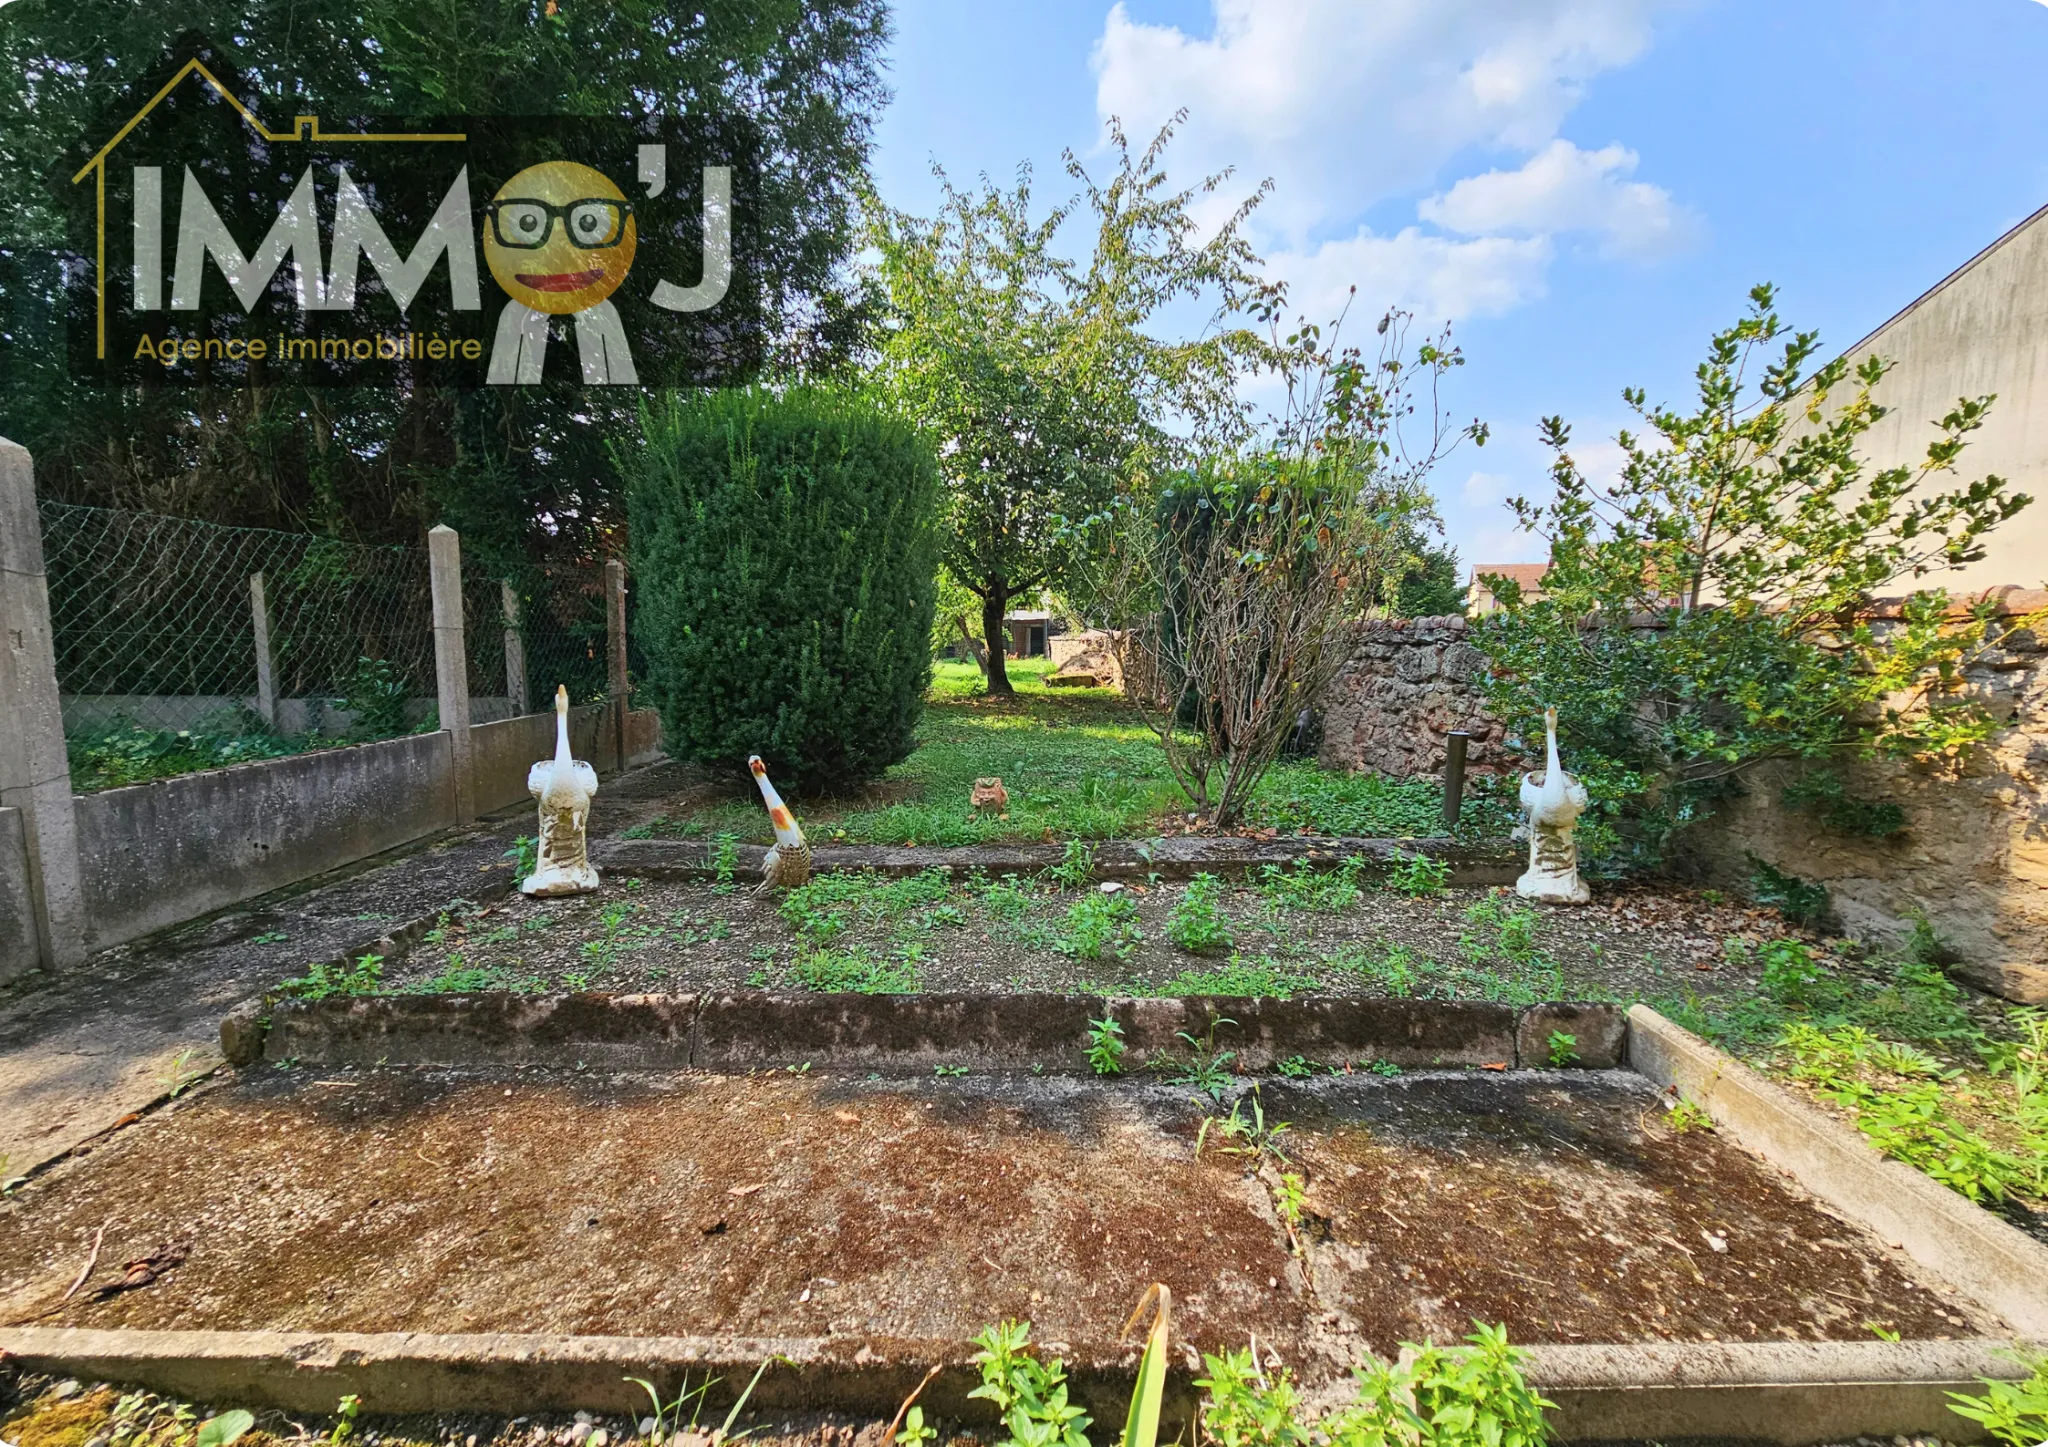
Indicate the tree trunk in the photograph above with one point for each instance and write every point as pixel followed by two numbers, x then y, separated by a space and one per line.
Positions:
pixel 976 649
pixel 993 607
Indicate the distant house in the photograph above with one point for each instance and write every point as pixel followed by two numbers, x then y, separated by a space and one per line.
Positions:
pixel 1028 629
pixel 1479 597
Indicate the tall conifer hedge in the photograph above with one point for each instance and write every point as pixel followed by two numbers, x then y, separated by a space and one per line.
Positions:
pixel 784 551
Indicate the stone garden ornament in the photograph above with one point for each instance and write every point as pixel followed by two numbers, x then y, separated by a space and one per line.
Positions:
pixel 564 785
pixel 787 864
pixel 1554 800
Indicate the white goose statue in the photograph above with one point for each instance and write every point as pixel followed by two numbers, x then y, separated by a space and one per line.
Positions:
pixel 1554 800
pixel 564 785
pixel 787 865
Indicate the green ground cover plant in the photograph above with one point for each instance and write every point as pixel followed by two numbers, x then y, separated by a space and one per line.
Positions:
pixel 1961 1095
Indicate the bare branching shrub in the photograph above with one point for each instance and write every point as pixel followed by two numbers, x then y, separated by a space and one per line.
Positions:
pixel 1232 591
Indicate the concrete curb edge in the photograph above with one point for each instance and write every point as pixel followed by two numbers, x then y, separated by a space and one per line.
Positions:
pixel 1958 1241
pixel 1783 1392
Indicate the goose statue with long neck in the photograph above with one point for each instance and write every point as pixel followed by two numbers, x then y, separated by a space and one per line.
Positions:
pixel 787 864
pixel 1554 800
pixel 564 785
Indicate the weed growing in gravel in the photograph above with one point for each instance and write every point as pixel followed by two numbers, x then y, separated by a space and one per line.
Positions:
pixel 1196 922
pixel 461 979
pixel 1264 978
pixel 855 970
pixel 1417 875
pixel 1003 898
pixel 1563 1048
pixel 1498 931
pixel 1902 1099
pixel 1306 887
pixel 525 855
pixel 1394 969
pixel 1077 864
pixel 725 862
pixel 1106 1046
pixel 1297 1067
pixel 324 981
pixel 1100 924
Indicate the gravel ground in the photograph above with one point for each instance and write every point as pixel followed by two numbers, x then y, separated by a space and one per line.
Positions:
pixel 646 935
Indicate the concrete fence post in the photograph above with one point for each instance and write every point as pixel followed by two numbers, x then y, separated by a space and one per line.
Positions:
pixel 451 661
pixel 515 651
pixel 35 775
pixel 615 638
pixel 266 683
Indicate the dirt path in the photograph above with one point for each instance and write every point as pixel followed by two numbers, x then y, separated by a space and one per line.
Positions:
pixel 82 1050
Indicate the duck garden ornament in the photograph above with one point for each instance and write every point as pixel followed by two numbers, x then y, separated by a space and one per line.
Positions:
pixel 1554 800
pixel 563 785
pixel 787 864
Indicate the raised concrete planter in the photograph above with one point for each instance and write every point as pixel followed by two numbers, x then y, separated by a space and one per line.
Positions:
pixel 748 1030
pixel 1782 1392
pixel 1949 1235
pixel 1169 858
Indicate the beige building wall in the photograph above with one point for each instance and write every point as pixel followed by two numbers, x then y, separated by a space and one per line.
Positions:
pixel 1983 329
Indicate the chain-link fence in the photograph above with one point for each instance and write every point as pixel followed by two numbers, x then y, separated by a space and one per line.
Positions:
pixel 186 645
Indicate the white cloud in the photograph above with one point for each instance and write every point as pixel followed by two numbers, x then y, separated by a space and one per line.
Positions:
pixel 1436 277
pixel 1562 188
pixel 1347 104
pixel 1371 100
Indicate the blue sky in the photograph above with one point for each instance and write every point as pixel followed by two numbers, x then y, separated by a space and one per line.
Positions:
pixel 1584 188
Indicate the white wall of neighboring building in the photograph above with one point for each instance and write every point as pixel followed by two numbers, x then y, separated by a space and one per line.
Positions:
pixel 1984 329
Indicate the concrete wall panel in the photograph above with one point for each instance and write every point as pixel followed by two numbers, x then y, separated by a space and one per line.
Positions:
pixel 17 908
pixel 160 853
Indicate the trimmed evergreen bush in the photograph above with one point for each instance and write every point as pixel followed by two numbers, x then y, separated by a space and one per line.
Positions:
pixel 784 552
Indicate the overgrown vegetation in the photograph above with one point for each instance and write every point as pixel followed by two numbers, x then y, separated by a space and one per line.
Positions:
pixel 1750 536
pixel 1900 1052
pixel 1232 588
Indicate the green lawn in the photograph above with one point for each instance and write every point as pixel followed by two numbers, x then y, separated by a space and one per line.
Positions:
pixel 1078 764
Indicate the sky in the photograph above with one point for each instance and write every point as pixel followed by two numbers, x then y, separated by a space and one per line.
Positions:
pixel 1585 190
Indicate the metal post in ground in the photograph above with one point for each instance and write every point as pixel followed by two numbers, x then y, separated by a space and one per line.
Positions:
pixel 35 774
pixel 266 684
pixel 615 658
pixel 451 661
pixel 1454 777
pixel 515 650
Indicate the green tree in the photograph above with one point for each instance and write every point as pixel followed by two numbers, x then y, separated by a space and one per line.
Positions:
pixel 1036 376
pixel 1707 610
pixel 1431 583
pixel 785 546
pixel 528 478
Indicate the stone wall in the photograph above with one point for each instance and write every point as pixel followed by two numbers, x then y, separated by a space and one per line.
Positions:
pixel 1973 855
pixel 1408 683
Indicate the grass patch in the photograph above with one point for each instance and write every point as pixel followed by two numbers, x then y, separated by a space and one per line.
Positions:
pixel 1078 764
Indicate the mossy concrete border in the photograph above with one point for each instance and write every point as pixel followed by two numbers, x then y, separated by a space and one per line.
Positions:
pixel 1957 1240
pixel 1783 1392
pixel 753 1030
pixel 1172 857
